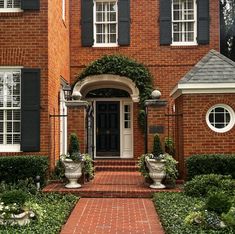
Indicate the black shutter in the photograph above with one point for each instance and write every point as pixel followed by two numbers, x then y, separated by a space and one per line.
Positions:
pixel 87 22
pixel 124 22
pixel 30 110
pixel 165 22
pixel 203 22
pixel 30 4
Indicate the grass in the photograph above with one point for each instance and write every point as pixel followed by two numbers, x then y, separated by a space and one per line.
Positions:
pixel 172 209
pixel 56 208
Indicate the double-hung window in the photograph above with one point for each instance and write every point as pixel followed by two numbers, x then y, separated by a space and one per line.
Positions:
pixel 184 22
pixel 10 110
pixel 10 5
pixel 105 23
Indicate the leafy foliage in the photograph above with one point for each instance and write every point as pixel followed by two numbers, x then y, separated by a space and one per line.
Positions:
pixel 229 218
pixel 173 209
pixel 169 146
pixel 218 202
pixel 88 167
pixel 54 210
pixel 203 184
pixel 142 167
pixel 14 196
pixel 157 147
pixel 15 168
pixel 210 164
pixel 123 66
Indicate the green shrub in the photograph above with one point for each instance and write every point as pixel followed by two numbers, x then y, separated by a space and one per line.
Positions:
pixel 14 196
pixel 210 164
pixel 169 146
pixel 229 218
pixel 202 184
pixel 142 166
pixel 59 171
pixel 15 168
pixel 218 202
pixel 73 144
pixel 157 147
pixel 88 168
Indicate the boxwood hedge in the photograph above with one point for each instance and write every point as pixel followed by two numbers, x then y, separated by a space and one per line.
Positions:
pixel 210 164
pixel 14 168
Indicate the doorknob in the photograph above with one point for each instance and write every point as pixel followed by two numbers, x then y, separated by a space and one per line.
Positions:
pixel 107 132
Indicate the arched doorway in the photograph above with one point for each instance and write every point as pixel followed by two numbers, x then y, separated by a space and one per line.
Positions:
pixel 111 98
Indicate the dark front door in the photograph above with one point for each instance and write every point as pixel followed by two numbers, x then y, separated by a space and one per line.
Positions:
pixel 107 129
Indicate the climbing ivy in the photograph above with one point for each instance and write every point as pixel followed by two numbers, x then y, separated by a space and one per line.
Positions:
pixel 123 66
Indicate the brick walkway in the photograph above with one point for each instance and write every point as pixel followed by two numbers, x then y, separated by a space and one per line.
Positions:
pixel 113 215
pixel 114 202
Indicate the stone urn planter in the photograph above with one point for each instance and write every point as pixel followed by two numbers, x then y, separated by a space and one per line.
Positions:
pixel 156 172
pixel 18 219
pixel 73 171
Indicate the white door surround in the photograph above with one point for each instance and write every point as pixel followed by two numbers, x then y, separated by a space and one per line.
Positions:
pixel 126 127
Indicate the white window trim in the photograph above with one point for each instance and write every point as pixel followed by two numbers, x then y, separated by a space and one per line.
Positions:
pixel 182 43
pixel 63 10
pixel 231 123
pixel 10 10
pixel 94 26
pixel 7 147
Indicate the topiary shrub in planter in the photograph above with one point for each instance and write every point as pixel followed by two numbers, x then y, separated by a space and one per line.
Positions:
pixel 157 146
pixel 15 168
pixel 203 184
pixel 210 164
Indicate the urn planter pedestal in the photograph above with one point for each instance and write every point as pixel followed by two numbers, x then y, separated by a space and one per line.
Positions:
pixel 156 172
pixel 73 171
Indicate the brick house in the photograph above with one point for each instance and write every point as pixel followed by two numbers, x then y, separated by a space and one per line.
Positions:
pixel 46 45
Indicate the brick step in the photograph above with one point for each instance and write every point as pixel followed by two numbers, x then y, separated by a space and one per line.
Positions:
pixel 116 168
pixel 101 191
pixel 119 162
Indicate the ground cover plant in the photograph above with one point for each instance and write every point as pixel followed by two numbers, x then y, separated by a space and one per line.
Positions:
pixel 174 209
pixel 52 210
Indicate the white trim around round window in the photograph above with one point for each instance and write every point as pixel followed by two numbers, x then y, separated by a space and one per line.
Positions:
pixel 220 118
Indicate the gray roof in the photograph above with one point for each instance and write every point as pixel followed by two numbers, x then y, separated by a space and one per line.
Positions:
pixel 212 68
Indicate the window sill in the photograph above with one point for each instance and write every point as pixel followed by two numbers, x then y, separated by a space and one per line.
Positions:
pixel 105 45
pixel 8 10
pixel 9 148
pixel 184 44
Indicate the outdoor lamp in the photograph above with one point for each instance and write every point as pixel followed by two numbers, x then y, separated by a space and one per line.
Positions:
pixel 67 92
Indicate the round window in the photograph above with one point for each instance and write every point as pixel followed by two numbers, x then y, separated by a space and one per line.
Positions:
pixel 220 118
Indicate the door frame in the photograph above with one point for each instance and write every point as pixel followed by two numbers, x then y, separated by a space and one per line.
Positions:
pixel 121 101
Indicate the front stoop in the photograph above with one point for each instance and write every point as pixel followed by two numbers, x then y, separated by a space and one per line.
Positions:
pixel 113 179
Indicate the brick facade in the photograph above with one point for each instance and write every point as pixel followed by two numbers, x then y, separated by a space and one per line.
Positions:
pixel 41 39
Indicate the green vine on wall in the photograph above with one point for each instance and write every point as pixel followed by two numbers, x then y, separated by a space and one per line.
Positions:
pixel 123 66
pixel 126 67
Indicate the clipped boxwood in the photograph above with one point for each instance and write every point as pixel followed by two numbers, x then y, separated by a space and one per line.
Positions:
pixel 210 164
pixel 14 168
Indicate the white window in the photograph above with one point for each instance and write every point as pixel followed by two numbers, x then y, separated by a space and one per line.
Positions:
pixel 105 23
pixel 127 116
pixel 184 22
pixel 63 9
pixel 220 118
pixel 10 5
pixel 10 109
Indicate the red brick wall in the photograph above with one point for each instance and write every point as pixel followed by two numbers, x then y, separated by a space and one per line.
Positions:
pixel 58 66
pixel 23 42
pixel 167 64
pixel 76 124
pixel 195 137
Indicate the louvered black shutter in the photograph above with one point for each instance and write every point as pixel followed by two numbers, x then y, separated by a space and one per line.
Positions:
pixel 165 22
pixel 203 22
pixel 87 22
pixel 30 110
pixel 124 22
pixel 30 4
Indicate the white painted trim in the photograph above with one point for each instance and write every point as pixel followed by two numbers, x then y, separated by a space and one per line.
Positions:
pixel 232 118
pixel 184 43
pixel 96 45
pixel 7 68
pixel 107 81
pixel 122 102
pixel 9 148
pixel 202 88
pixel 10 10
